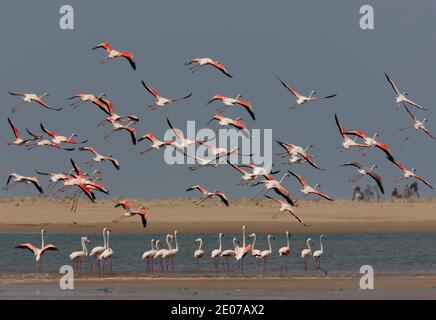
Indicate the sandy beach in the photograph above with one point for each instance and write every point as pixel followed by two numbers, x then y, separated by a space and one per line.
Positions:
pixel 136 287
pixel 29 214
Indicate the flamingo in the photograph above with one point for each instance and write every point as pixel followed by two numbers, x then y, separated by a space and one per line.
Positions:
pixel 55 178
pixel 246 176
pixel 200 62
pixel 32 97
pixel 209 195
pixel 365 172
pixel 18 140
pixel 160 251
pixel 236 123
pixel 38 252
pixel 276 185
pixel 295 152
pixel 116 126
pixel 77 256
pixel 241 252
pixel 347 142
pixel 87 97
pixel 286 250
pixel 168 253
pixel 212 161
pixel 264 254
pixel 260 171
pixel 184 142
pixel 371 142
pixel 97 251
pixel 155 143
pixel 286 207
pixel 18 178
pixel 112 54
pixel 141 211
pixel 113 116
pixel 230 253
pixel 228 102
pixel 161 101
pixel 303 99
pixel 418 125
pixel 58 139
pixel 307 189
pixel 100 158
pixel 407 174
pixel 148 256
pixel 306 253
pixel 318 253
pixel 199 253
pixel 106 254
pixel 255 253
pixel 216 253
pixel 174 251
pixel 402 97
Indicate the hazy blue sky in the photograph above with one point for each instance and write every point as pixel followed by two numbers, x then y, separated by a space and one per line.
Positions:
pixel 309 44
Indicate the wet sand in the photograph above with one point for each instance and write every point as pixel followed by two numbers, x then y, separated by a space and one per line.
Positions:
pixel 29 214
pixel 136 287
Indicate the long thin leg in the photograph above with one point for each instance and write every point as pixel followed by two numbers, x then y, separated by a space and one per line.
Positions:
pixel 108 135
pixel 15 107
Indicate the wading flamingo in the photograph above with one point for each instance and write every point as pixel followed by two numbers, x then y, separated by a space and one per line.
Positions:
pixel 216 253
pixel 96 251
pixel 286 250
pixel 38 252
pixel 306 253
pixel 318 253
pixel 264 254
pixel 199 253
pixel 77 256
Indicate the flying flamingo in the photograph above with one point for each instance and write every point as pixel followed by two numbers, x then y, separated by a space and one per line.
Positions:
pixel 347 142
pixel 209 195
pixel 148 256
pixel 199 253
pixel 31 97
pixel 58 139
pixel 264 254
pixel 286 250
pixel 112 54
pixel 306 253
pixel 183 141
pixel 96 251
pixel 236 123
pixel 230 253
pixel 295 152
pixel 141 211
pixel 77 256
pixel 318 253
pixel 363 172
pixel 216 253
pixel 161 101
pixel 371 142
pixel 55 178
pixel 246 176
pixel 276 185
pixel 261 171
pixel 18 140
pixel 409 174
pixel 156 144
pixel 286 207
pixel 418 125
pixel 402 97
pixel 106 254
pixel 308 189
pixel 17 178
pixel 113 115
pixel 116 126
pixel 200 62
pixel 303 99
pixel 38 252
pixel 228 102
pixel 99 158
pixel 87 97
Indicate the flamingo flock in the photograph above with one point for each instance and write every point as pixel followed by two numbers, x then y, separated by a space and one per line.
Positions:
pixel 82 183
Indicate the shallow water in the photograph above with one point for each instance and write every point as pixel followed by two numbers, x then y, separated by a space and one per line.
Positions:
pixel 387 253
